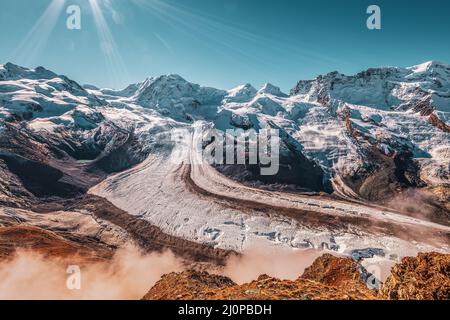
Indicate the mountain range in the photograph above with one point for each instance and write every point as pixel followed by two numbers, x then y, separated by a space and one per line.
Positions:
pixel 364 165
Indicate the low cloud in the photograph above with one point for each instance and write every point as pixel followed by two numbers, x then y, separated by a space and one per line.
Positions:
pixel 282 263
pixel 414 202
pixel 129 275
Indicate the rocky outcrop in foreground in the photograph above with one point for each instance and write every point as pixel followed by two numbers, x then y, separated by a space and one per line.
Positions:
pixel 328 278
pixel 426 277
pixel 192 285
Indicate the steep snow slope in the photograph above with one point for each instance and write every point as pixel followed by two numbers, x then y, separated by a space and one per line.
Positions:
pixel 174 97
pixel 39 93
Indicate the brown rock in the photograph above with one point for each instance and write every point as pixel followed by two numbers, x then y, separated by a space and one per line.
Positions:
pixel 187 285
pixel 333 271
pixel 48 244
pixel 329 278
pixel 426 277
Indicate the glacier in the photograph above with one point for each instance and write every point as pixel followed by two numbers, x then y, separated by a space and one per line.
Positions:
pixel 386 126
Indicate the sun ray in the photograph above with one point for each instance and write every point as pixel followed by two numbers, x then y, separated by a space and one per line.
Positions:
pixel 108 45
pixel 188 24
pixel 37 38
pixel 225 34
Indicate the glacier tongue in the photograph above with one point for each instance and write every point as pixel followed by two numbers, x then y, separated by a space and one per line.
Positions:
pixel 188 199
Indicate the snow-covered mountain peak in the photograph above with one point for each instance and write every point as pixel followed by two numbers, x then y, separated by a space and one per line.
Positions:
pixel 171 84
pixel 385 88
pixel 429 66
pixel 242 93
pixel 433 75
pixel 35 93
pixel 269 88
pixel 10 71
pixel 167 89
pixel 88 86
pixel 170 95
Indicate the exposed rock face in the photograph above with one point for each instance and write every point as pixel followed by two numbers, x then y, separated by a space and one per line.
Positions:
pixel 295 172
pixel 442 194
pixel 363 103
pixel 345 272
pixel 434 120
pixel 334 271
pixel 48 244
pixel 328 278
pixel 425 277
pixel 188 285
pixel 202 286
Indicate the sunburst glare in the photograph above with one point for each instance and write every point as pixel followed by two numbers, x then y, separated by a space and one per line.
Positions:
pixel 108 45
pixel 216 33
pixel 37 38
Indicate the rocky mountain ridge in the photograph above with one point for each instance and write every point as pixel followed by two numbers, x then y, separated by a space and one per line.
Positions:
pixel 329 278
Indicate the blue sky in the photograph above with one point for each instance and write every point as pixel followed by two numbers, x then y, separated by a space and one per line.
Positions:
pixel 221 43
